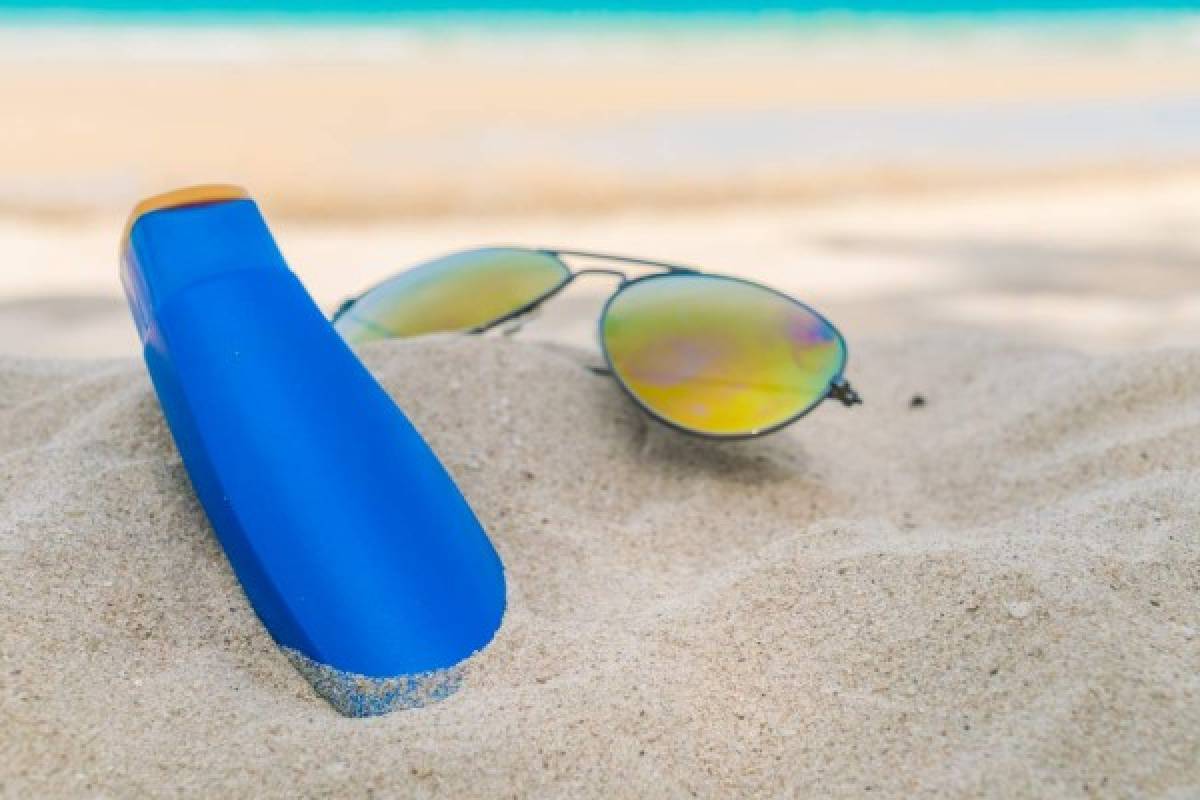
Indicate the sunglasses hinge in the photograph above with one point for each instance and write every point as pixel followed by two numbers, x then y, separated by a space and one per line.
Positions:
pixel 844 393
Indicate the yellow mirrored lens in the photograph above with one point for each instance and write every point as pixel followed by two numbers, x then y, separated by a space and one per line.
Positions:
pixel 720 356
pixel 455 293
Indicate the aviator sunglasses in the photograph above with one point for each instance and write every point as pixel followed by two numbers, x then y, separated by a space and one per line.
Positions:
pixel 710 355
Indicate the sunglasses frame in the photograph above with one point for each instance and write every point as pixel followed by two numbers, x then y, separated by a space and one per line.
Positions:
pixel 839 389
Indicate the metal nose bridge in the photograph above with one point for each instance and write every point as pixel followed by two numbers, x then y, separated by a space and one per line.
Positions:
pixel 600 271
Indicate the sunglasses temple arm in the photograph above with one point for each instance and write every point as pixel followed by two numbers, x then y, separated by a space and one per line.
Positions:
pixel 345 306
pixel 844 393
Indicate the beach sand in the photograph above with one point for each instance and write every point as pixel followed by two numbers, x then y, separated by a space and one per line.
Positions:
pixel 358 123
pixel 994 594
pixel 1098 263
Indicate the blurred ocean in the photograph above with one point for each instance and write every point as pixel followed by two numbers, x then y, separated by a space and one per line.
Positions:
pixel 384 30
pixel 808 14
pixel 673 8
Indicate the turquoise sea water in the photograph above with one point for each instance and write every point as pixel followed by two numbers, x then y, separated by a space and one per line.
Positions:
pixel 580 11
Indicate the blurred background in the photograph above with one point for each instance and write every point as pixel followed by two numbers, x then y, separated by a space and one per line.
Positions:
pixel 1028 168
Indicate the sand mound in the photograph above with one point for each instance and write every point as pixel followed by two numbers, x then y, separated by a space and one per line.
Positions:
pixel 997 592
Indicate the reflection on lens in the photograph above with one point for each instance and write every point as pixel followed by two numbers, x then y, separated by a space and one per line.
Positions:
pixel 720 356
pixel 455 293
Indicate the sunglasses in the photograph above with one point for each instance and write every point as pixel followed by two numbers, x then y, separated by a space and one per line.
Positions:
pixel 709 355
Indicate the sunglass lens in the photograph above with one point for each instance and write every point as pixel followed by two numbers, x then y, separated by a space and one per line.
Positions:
pixel 456 293
pixel 719 356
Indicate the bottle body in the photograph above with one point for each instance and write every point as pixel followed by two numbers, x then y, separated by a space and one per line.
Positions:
pixel 349 537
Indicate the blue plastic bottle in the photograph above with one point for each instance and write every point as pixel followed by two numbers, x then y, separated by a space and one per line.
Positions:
pixel 351 541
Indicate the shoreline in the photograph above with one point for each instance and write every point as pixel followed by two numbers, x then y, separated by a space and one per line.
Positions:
pixel 58 39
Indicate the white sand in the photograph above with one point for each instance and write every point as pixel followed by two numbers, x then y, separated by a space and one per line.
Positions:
pixel 355 124
pixel 996 594
pixel 1096 264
